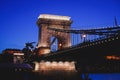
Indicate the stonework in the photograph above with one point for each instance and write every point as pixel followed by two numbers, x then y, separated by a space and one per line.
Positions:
pixel 45 34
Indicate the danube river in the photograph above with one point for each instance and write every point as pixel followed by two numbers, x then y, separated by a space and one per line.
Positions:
pixel 25 74
pixel 37 76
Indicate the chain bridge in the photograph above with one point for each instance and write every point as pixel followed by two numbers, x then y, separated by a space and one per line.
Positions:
pixel 92 50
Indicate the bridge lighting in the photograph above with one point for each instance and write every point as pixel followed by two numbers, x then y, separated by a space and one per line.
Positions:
pixel 54 63
pixel 36 66
pixel 66 63
pixel 46 51
pixel 60 63
pixel 44 45
pixel 84 35
pixel 60 44
pixel 52 66
pixel 58 17
pixel 47 63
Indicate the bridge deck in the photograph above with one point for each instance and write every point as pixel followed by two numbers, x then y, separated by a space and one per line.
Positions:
pixel 91 56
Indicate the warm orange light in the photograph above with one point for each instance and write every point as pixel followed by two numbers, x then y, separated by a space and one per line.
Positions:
pixel 54 63
pixel 46 66
pixel 109 57
pixel 48 63
pixel 113 57
pixel 60 44
pixel 36 66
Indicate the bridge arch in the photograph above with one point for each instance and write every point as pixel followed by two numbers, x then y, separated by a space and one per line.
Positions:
pixel 46 21
pixel 53 44
pixel 57 42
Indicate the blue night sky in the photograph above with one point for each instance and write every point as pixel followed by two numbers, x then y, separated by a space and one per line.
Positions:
pixel 18 17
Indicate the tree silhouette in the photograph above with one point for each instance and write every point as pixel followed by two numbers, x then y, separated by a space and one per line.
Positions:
pixel 28 51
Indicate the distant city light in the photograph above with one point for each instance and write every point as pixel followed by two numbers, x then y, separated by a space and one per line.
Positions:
pixel 113 57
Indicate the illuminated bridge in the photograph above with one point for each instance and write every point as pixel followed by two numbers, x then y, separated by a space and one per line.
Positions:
pixel 97 54
pixel 102 53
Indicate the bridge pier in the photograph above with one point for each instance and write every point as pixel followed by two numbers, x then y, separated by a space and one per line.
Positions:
pixel 57 70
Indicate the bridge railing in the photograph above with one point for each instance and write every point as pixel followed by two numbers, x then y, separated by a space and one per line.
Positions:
pixel 95 40
pixel 83 44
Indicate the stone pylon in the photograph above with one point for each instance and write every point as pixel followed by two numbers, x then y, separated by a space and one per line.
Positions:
pixel 46 21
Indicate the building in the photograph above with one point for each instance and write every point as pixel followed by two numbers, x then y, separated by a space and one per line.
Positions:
pixel 12 56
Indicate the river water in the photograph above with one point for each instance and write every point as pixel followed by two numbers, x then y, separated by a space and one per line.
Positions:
pixel 38 76
pixel 108 76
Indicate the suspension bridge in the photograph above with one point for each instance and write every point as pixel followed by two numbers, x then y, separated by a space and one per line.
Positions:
pixel 96 55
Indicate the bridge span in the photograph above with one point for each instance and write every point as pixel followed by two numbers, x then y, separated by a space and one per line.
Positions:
pixel 100 55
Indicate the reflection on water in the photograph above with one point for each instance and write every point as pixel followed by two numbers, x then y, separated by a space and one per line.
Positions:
pixel 55 76
pixel 38 76
pixel 109 76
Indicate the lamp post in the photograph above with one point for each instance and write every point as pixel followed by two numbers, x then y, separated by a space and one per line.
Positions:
pixel 84 36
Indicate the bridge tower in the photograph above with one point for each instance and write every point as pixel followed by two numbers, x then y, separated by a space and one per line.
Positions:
pixel 46 21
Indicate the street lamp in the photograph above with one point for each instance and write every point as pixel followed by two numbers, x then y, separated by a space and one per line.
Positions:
pixel 84 36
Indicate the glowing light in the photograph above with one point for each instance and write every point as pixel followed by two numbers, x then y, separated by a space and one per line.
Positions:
pixel 64 66
pixel 36 66
pixel 66 63
pixel 84 35
pixel 48 63
pixel 113 57
pixel 43 45
pixel 60 44
pixel 46 51
pixel 19 54
pixel 54 63
pixel 60 63
pixel 58 17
